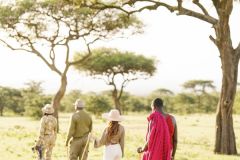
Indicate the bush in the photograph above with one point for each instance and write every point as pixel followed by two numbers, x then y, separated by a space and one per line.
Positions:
pixel 34 99
pixel 69 99
pixel 11 100
pixel 33 105
pixel 236 107
pixel 98 104
pixel 135 104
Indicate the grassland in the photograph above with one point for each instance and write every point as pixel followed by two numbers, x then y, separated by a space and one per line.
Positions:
pixel 196 137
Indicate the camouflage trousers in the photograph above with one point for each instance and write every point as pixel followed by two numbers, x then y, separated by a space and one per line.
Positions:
pixel 77 146
pixel 48 144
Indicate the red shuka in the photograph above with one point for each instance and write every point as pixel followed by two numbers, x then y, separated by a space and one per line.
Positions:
pixel 170 127
pixel 159 143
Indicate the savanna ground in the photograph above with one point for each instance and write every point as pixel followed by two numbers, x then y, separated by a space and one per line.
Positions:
pixel 196 137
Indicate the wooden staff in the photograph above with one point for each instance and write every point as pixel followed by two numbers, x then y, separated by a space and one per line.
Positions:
pixel 67 151
pixel 140 156
pixel 86 146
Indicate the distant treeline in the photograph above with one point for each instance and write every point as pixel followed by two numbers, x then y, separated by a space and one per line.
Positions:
pixel 28 101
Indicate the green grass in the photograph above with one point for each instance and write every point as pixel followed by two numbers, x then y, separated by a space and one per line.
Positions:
pixel 196 137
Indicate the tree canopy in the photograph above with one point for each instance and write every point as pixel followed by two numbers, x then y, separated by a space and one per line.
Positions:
pixel 50 24
pixel 114 67
pixel 46 28
pixel 108 61
pixel 199 85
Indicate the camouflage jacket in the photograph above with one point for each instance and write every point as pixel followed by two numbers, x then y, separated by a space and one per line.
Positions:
pixel 48 126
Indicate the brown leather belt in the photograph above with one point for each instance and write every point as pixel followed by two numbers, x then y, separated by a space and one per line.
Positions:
pixel 81 136
pixel 113 143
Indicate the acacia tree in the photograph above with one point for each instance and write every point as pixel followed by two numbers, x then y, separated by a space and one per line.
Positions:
pixel 162 92
pixel 199 85
pixel 199 88
pixel 117 69
pixel 225 137
pixel 47 28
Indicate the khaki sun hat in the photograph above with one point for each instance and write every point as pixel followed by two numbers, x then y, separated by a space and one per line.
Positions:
pixel 113 115
pixel 79 104
pixel 48 109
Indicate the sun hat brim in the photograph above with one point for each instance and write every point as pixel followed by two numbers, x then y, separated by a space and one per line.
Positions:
pixel 107 117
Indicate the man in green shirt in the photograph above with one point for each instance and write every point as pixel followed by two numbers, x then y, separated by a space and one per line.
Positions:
pixel 79 129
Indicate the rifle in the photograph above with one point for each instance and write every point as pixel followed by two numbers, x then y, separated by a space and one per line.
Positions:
pixel 39 150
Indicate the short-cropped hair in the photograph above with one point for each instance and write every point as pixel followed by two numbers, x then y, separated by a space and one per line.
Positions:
pixel 158 102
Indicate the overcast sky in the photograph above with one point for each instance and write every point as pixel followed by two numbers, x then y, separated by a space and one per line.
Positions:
pixel 180 44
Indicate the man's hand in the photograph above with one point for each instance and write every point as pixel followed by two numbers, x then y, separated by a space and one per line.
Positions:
pixel 92 137
pixel 37 147
pixel 140 150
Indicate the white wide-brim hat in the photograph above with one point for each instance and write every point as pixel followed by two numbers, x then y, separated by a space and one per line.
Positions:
pixel 113 115
pixel 79 103
pixel 48 108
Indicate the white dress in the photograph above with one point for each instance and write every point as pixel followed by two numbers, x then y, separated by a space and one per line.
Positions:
pixel 112 152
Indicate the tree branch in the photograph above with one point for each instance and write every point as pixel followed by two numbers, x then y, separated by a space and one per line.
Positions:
pixel 237 50
pixel 51 66
pixel 35 51
pixel 67 53
pixel 85 57
pixel 216 4
pixel 197 15
pixel 14 49
pixel 102 6
pixel 106 81
pixel 213 40
pixel 201 7
pixel 179 8
pixel 121 89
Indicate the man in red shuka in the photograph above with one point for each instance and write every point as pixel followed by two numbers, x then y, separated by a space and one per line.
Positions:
pixel 161 136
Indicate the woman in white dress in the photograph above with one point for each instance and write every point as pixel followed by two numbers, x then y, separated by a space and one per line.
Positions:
pixel 112 137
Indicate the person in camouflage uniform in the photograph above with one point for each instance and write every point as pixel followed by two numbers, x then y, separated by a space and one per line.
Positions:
pixel 79 129
pixel 48 132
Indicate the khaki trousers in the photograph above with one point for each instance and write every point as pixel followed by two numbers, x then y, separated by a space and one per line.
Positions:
pixel 77 146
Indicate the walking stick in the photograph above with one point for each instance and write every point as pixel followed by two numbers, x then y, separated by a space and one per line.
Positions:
pixel 140 156
pixel 86 146
pixel 67 152
pixel 140 153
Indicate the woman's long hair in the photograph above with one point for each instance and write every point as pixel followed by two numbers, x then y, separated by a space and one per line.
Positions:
pixel 112 130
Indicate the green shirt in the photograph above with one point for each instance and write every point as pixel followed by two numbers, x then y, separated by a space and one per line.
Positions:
pixel 80 125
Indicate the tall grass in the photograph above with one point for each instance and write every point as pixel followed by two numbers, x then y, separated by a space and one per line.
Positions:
pixel 195 137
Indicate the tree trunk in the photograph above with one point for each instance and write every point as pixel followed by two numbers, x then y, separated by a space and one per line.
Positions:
pixel 1 111
pixel 199 102
pixel 225 137
pixel 59 95
pixel 116 100
pixel 118 105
